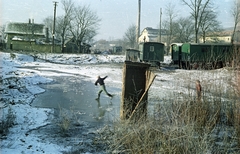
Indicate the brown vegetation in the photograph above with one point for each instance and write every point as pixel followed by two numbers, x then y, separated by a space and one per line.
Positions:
pixel 236 111
pixel 177 127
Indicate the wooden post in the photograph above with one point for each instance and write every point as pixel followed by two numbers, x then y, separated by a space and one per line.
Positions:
pixel 137 80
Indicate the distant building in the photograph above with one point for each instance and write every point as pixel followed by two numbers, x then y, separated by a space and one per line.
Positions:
pixel 150 34
pixel 222 37
pixel 23 32
pixel 70 46
pixel 29 37
pixel 117 49
pixel 113 46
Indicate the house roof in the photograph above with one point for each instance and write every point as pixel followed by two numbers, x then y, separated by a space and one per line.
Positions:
pixel 24 28
pixel 152 31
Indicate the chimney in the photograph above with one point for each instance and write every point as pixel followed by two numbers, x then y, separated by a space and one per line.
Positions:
pixel 32 21
pixel 29 21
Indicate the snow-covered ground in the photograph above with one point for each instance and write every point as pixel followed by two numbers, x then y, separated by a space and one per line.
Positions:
pixel 20 82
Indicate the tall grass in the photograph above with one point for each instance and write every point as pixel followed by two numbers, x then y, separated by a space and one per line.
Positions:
pixel 236 111
pixel 183 127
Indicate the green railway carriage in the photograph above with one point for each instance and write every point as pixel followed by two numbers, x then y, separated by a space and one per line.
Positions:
pixel 199 54
pixel 152 52
pixel 176 52
pixel 193 52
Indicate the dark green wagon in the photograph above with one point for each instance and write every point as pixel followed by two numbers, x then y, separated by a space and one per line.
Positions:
pixel 205 55
pixel 152 52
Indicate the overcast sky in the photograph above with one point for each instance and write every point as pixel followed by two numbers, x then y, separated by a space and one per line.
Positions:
pixel 116 15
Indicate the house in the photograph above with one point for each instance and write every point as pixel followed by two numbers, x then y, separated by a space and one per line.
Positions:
pixel 23 32
pixel 28 37
pixel 221 37
pixel 149 34
pixel 70 46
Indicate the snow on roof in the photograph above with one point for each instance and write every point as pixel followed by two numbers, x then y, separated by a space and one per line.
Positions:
pixel 25 28
pixel 178 44
pixel 153 31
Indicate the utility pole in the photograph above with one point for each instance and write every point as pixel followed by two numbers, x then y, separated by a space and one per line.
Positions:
pixel 54 20
pixel 160 25
pixel 138 21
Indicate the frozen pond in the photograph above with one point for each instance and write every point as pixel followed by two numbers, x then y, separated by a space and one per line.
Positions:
pixel 78 96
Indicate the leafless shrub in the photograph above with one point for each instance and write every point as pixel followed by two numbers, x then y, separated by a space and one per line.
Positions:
pixel 64 120
pixel 67 120
pixel 12 56
pixel 7 121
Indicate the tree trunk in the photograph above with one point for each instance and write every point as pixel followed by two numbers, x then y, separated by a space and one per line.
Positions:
pixel 63 40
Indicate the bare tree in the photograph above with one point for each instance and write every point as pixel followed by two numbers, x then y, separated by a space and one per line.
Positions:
pixel 209 23
pixel 2 31
pixel 90 34
pixel 2 36
pixel 84 25
pixel 48 22
pixel 198 8
pixel 169 22
pixel 236 17
pixel 130 36
pixel 65 20
pixel 183 30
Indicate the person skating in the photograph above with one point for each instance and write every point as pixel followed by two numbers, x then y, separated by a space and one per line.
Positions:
pixel 100 81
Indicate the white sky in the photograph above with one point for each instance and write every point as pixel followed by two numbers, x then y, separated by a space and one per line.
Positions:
pixel 116 15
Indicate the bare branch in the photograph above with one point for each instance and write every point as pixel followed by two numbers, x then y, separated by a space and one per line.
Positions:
pixel 198 8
